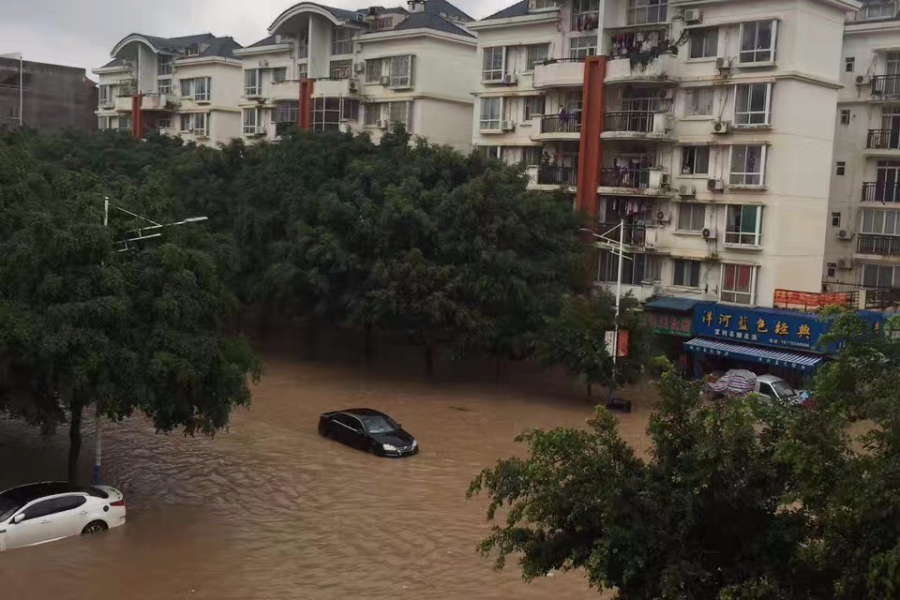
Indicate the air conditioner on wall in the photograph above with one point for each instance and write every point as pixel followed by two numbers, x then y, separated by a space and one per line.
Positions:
pixel 715 185
pixel 723 62
pixel 507 125
pixel 692 16
pixel 510 78
pixel 709 234
pixel 844 235
pixel 360 67
pixel 721 127
pixel 845 264
pixel 385 80
pixel 663 217
pixel 686 189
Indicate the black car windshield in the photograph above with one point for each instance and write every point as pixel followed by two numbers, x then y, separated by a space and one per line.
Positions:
pixel 380 425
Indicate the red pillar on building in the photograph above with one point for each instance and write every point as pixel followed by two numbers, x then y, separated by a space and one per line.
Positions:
pixel 590 156
pixel 137 125
pixel 304 115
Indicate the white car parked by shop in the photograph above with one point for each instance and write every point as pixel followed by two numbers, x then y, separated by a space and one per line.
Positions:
pixel 45 512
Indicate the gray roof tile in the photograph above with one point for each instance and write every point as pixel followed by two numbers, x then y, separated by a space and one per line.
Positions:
pixel 519 9
pixel 426 20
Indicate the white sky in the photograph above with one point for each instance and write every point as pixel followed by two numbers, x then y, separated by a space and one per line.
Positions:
pixel 81 33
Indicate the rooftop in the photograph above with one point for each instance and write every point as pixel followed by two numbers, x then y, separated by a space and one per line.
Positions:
pixel 208 44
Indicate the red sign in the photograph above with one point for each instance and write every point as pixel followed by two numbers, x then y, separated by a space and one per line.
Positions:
pixel 622 346
pixel 811 300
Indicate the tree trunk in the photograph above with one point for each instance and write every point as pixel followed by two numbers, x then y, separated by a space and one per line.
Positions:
pixel 74 440
pixel 370 349
pixel 429 360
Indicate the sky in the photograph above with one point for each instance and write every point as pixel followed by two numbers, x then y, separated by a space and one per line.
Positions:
pixel 81 33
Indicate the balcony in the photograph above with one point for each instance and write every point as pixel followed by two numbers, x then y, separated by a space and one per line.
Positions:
pixel 624 70
pixel 331 88
pixel 557 176
pixel 883 142
pixel 878 245
pixel 886 87
pixel 559 128
pixel 285 90
pixel 873 191
pixel 642 125
pixel 159 102
pixel 559 72
pixel 616 181
pixel 123 104
pixel 635 235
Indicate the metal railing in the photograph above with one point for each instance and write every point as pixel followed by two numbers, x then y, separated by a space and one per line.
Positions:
pixel 626 178
pixel 878 245
pixel 874 191
pixel 886 86
pixel 883 139
pixel 876 298
pixel 629 120
pixel 635 235
pixel 553 61
pixel 570 123
pixel 553 175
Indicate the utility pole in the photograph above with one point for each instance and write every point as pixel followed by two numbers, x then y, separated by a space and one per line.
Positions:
pixel 21 58
pixel 132 236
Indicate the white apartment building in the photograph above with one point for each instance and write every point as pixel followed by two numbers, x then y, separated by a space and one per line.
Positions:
pixel 186 86
pixel 330 69
pixel 713 123
pixel 863 237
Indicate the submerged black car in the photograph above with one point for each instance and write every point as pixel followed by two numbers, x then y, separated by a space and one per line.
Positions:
pixel 368 430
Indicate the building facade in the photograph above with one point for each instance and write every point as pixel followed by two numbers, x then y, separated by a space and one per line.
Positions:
pixel 48 98
pixel 332 69
pixel 707 128
pixel 187 87
pixel 863 240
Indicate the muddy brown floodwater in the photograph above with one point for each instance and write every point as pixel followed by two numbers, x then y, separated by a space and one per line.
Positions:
pixel 270 510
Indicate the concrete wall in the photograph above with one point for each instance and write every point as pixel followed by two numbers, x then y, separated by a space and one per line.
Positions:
pixel 227 87
pixel 54 97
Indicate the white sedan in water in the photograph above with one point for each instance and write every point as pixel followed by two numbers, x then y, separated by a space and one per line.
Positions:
pixel 45 512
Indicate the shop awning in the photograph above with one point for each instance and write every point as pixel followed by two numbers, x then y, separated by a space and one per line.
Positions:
pixel 767 356
pixel 678 305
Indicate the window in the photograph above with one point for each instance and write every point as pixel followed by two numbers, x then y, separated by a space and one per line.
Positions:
pixel 531 155
pixel 326 115
pixel 302 71
pixel 202 89
pixel 585 15
pixel 382 23
pixel 340 69
pixel 187 122
pixel 303 48
pixel 879 276
pixel 758 42
pixel 372 114
pixel 201 124
pixel 164 123
pixel 287 112
pixel 251 121
pixel 374 70
pixel 401 112
pixel 253 82
pixel 187 87
pixel 490 113
pixel 164 65
pixel 536 53
pixel 699 102
pixel 748 165
pixel 879 10
pixel 841 168
pixel 341 41
pixel 582 47
pixel 752 104
pixel 831 270
pixel 349 109
pixel 192 50
pixel 125 123
pixel 104 94
pixel 636 271
pixel 738 284
pixel 534 107
pixel 103 123
pixel 279 75
pixel 687 273
pixel 704 42
pixel 743 225
pixel 845 117
pixel 849 64
pixel 880 222
pixel 835 219
pixel 691 216
pixel 647 11
pixel 401 71
pixel 164 86
pixel 492 68
pixel 695 160
pixel 490 151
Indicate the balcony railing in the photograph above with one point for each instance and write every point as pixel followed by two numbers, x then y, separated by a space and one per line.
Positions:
pixel 874 191
pixel 635 235
pixel 629 120
pixel 625 178
pixel 552 175
pixel 878 245
pixel 876 298
pixel 883 139
pixel 886 86
pixel 561 124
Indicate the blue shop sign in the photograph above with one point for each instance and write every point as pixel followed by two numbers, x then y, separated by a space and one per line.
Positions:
pixel 769 327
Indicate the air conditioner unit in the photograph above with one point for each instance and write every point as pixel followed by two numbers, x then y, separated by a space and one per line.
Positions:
pixel 845 235
pixel 722 127
pixel 383 124
pixel 845 264
pixel 861 80
pixel 510 78
pixel 352 87
pixel 665 182
pixel 692 16
pixel 507 126
pixel 709 234
pixel 385 80
pixel 723 62
pixel 663 217
pixel 715 185
pixel 360 67
pixel 686 189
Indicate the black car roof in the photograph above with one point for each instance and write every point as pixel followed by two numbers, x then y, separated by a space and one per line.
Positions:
pixel 364 412
pixel 28 493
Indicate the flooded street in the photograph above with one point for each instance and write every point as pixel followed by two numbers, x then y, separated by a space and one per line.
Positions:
pixel 269 509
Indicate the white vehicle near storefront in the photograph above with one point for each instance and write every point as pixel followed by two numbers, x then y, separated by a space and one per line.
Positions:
pixel 45 512
pixel 740 382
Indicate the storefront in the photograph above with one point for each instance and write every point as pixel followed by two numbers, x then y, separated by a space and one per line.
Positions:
pixel 671 320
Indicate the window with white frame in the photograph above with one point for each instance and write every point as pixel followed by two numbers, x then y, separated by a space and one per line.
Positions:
pixel 695 160
pixel 201 124
pixel 880 276
pixel 748 165
pixel 752 104
pixel 585 15
pixel 704 42
pixel 252 82
pixel 743 225
pixel 198 88
pixel 164 123
pixel 251 121
pixel 532 155
pixel 103 123
pixel 401 112
pixel 687 273
pixel 187 122
pixel 642 268
pixel 758 42
pixel 164 86
pixel 640 12
pixel 879 222
pixel 490 151
pixel 192 50
pixel 374 70
pixel 534 107
pixel 849 64
pixel 327 113
pixel 372 114
pixel 279 74
pixel 738 284
pixel 125 123
pixel 402 71
pixel 691 216
pixel 105 94
pixel 582 47
pixel 287 112
pixel 302 71
pixel 164 65
pixel 340 69
pixel 187 88
pixel 699 102
pixel 341 41
pixel 493 64
pixel 491 109
pixel 884 9
pixel 536 53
